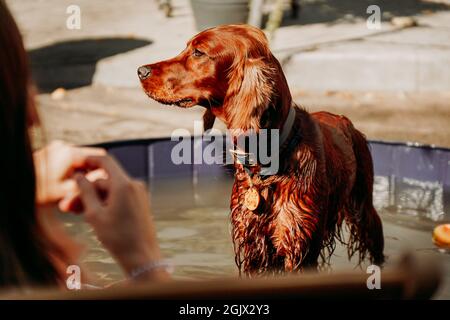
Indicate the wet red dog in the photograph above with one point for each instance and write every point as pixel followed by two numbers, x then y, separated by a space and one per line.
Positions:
pixel 287 221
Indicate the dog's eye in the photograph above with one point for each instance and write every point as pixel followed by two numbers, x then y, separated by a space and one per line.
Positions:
pixel 197 53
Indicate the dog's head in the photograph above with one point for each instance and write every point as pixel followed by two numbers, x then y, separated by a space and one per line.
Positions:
pixel 227 69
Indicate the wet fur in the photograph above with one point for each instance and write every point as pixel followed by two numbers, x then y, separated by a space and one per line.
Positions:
pixel 323 182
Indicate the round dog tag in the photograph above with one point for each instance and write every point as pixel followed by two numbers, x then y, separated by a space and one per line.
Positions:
pixel 251 199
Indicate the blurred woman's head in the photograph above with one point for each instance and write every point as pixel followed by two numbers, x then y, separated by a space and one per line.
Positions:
pixel 23 250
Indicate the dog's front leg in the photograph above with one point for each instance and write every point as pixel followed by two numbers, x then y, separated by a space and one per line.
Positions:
pixel 296 238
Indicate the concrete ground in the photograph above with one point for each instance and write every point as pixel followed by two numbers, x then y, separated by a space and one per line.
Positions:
pixel 95 114
pixel 394 83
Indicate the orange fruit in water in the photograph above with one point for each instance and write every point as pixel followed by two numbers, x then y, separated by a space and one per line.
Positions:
pixel 441 235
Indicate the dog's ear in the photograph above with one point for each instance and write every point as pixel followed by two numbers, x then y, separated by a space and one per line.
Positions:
pixel 250 92
pixel 208 120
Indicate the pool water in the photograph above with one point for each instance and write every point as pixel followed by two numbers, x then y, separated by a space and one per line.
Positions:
pixel 192 220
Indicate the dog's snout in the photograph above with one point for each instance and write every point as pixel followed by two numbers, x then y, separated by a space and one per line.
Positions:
pixel 144 72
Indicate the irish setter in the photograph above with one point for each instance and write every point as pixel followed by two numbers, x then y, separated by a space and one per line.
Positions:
pixel 325 176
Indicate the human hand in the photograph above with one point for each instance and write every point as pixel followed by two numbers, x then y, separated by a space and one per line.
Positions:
pixel 55 165
pixel 118 209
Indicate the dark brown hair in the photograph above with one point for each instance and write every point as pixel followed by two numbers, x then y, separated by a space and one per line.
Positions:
pixel 24 250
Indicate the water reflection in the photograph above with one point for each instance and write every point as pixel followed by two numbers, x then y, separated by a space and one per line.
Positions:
pixel 194 232
pixel 411 197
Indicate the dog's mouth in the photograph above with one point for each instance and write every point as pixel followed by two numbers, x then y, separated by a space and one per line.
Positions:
pixel 182 103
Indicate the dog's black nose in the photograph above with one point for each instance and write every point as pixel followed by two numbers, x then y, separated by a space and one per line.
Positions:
pixel 144 72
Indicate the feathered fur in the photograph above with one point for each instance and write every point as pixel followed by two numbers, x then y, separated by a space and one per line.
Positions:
pixel 324 181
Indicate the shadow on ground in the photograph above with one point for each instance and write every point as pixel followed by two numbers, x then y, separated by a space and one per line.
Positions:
pixel 334 11
pixel 71 64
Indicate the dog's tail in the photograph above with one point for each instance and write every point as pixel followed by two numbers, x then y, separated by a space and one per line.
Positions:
pixel 366 230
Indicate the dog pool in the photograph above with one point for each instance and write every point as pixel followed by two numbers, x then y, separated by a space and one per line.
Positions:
pixel 191 208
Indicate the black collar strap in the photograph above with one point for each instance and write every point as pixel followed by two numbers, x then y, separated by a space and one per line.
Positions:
pixel 287 142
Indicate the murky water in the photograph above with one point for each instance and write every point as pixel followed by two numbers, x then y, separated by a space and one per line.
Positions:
pixel 193 227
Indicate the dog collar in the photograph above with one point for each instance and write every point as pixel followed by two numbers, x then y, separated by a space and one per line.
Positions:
pixel 287 127
pixel 250 159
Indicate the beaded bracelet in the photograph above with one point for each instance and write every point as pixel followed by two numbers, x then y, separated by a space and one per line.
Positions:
pixel 151 266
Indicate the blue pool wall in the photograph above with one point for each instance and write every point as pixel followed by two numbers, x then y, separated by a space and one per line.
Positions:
pixel 150 159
